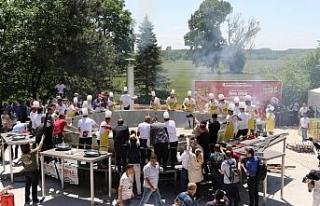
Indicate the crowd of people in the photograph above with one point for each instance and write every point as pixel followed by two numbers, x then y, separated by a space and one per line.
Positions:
pixel 153 145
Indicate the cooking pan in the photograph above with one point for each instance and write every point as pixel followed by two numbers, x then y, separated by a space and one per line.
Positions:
pixel 63 147
pixel 18 137
pixel 92 153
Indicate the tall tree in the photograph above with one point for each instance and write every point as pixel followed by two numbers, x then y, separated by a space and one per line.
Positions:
pixel 205 38
pixel 76 40
pixel 240 36
pixel 149 74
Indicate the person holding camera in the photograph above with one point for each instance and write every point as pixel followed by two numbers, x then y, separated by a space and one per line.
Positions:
pixel 312 179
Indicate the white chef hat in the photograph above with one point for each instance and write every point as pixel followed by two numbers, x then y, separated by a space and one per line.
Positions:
pixel 35 104
pixel 189 93
pixel 221 97
pixel 108 114
pixel 166 115
pixel 110 94
pixel 242 105
pixel 247 98
pixel 211 96
pixel 231 107
pixel 125 89
pixel 173 92
pixel 236 100
pixel 89 98
pixel 153 93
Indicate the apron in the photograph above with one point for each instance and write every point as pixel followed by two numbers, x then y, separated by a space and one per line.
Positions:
pixel 190 106
pixel 250 110
pixel 155 106
pixel 72 113
pixel 104 141
pixel 270 122
pixel 213 108
pixel 224 109
pixel 172 103
pixel 112 108
pixel 229 133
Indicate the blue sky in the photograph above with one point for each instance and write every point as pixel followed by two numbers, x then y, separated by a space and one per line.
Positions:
pixel 284 23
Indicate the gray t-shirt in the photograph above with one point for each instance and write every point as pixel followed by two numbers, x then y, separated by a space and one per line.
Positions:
pixel 225 166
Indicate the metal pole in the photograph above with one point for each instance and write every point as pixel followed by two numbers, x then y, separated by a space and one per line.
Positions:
pixel 282 167
pixel 110 184
pixel 42 176
pixel 265 182
pixel 10 156
pixel 91 183
pixel 3 156
pixel 62 173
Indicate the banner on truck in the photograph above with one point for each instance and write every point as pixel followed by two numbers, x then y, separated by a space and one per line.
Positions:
pixel 260 90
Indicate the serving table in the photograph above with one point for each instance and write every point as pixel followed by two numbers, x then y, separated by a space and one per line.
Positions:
pixel 77 155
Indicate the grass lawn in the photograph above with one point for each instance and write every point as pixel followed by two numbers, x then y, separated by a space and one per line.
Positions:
pixel 182 73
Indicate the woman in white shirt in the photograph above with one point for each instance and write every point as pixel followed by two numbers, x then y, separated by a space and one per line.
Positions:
pixel 195 169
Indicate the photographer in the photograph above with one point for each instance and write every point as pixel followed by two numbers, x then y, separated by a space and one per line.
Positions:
pixel 312 179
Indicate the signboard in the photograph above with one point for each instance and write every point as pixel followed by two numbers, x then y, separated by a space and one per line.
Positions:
pixel 70 172
pixel 260 90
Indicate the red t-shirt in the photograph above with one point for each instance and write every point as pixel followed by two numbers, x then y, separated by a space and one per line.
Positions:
pixel 58 126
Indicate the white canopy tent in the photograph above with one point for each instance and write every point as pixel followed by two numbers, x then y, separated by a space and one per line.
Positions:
pixel 314 98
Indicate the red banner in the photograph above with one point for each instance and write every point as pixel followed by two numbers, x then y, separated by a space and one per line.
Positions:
pixel 261 90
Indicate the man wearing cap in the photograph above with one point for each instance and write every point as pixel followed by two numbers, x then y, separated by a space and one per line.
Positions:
pixel 159 139
pixel 187 198
pixel 171 101
pixel 173 138
pixel 231 122
pixel 155 101
pixel 58 128
pixel 189 105
pixel 125 192
pixel 212 106
pixel 223 105
pixel 85 126
pixel 121 137
pixel 252 111
pixel 270 119
pixel 125 99
pixel 143 133
pixel 243 124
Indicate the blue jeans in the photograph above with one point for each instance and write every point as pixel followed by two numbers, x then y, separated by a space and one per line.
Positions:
pixel 155 194
pixel 304 132
pixel 184 179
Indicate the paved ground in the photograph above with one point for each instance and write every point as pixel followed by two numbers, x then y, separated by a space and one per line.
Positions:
pixel 295 192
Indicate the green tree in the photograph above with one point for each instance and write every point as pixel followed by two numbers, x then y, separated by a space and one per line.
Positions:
pixel 78 41
pixel 149 74
pixel 205 38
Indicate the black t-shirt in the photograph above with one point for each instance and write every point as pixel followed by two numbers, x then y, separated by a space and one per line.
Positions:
pixel 203 140
pixel 214 128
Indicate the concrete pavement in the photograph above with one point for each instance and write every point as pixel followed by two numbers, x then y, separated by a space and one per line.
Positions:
pixel 295 192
